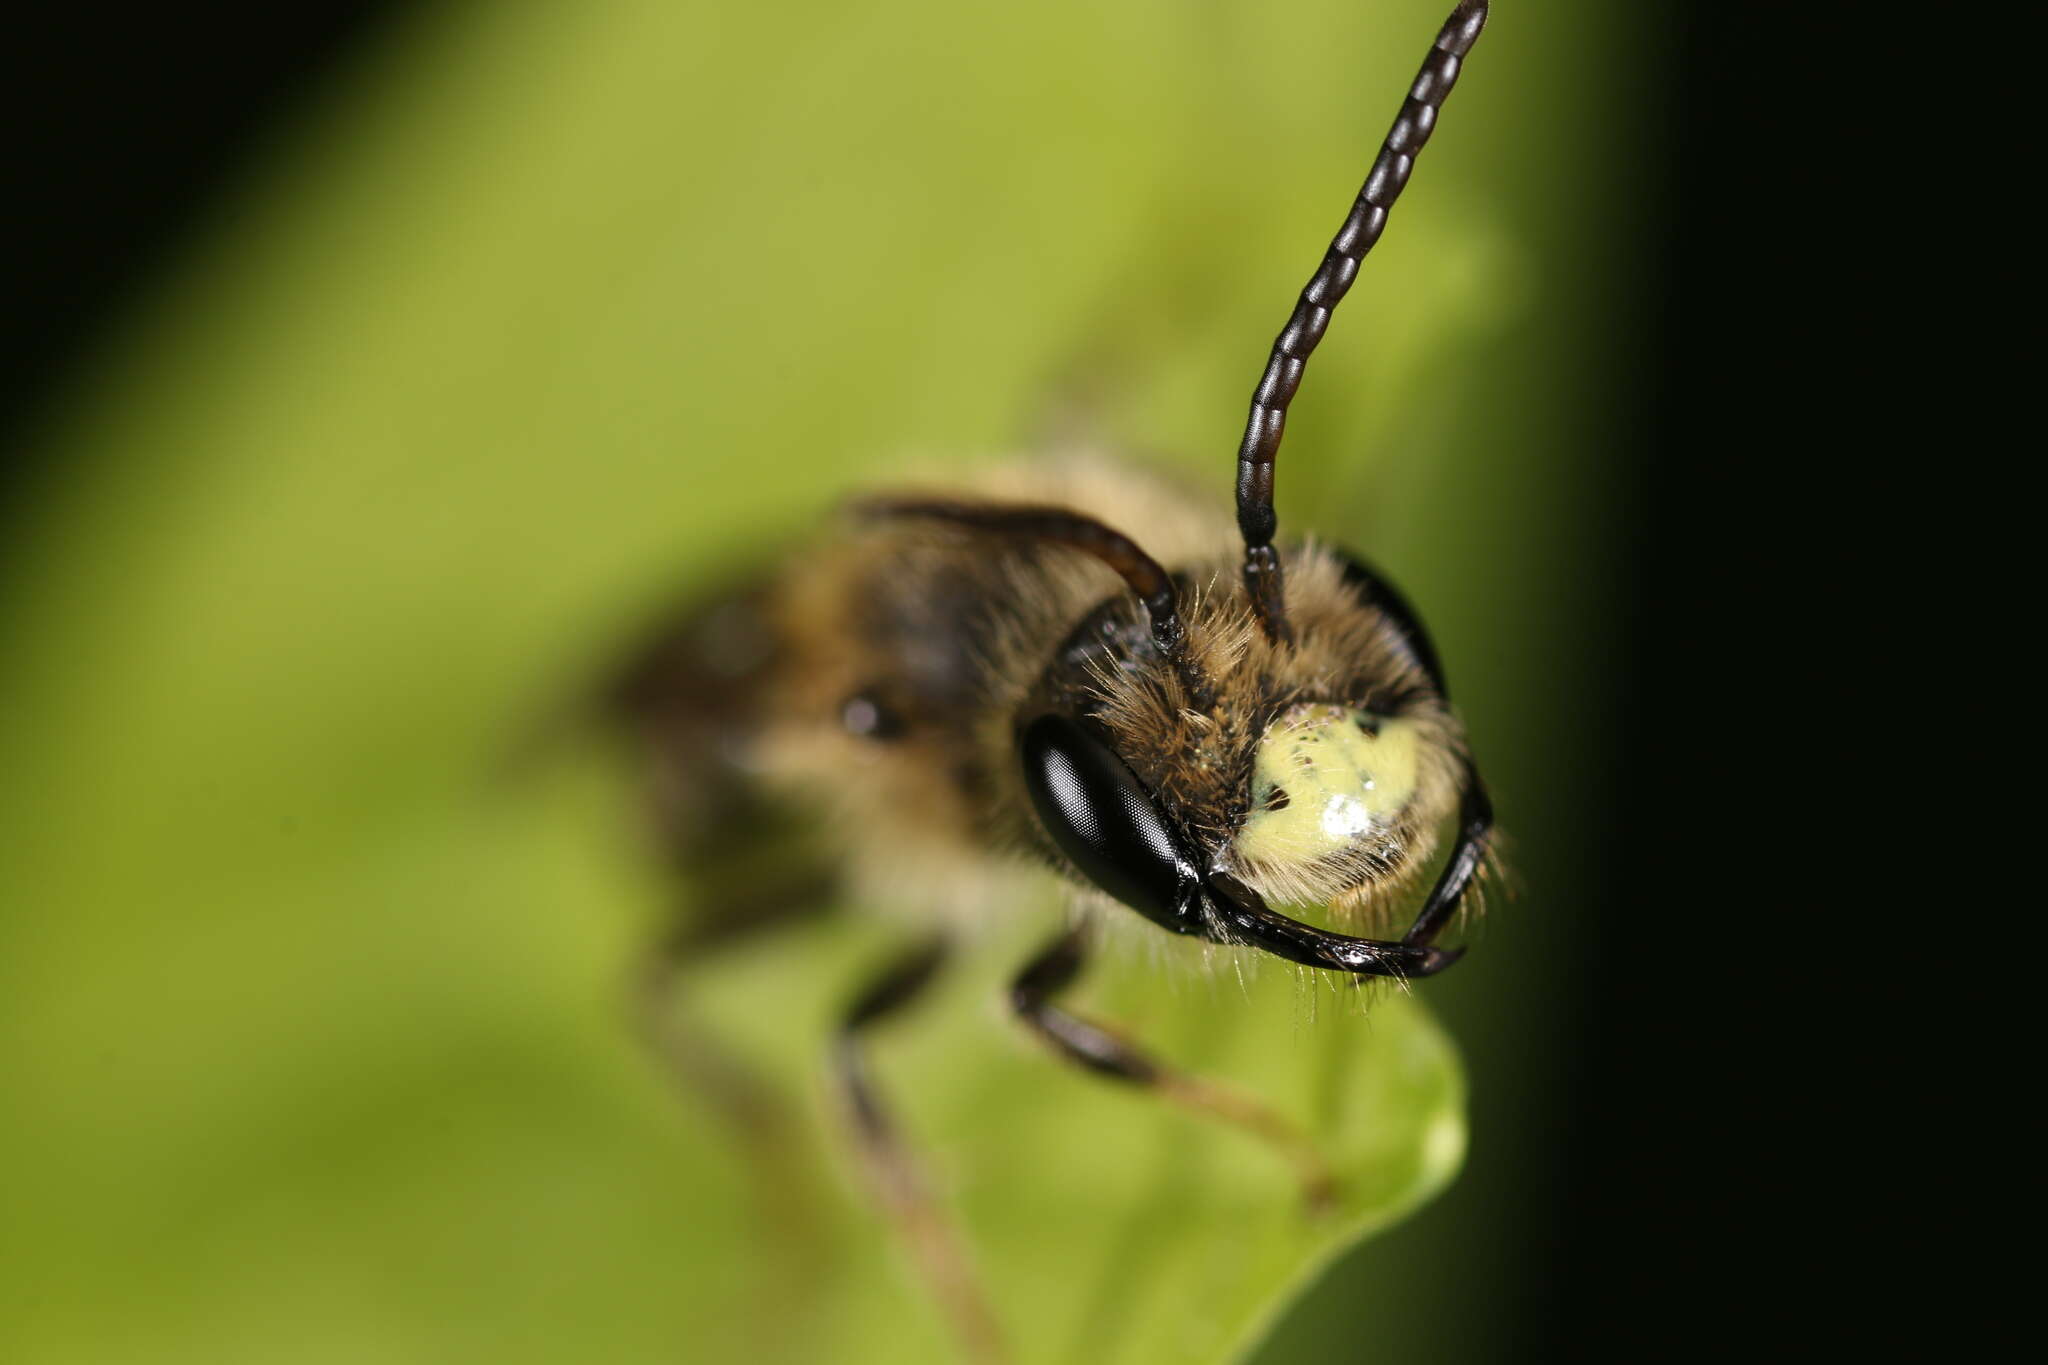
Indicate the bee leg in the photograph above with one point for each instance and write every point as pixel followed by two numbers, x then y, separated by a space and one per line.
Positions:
pixel 1097 1049
pixel 906 1198
pixel 777 1156
pixel 702 1068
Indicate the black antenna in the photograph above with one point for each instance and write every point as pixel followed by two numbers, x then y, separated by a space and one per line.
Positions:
pixel 1066 527
pixel 1311 316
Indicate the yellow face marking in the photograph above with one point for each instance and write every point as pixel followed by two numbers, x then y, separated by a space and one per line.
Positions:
pixel 1324 777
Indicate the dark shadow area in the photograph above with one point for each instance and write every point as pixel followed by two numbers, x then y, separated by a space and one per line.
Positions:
pixel 129 122
pixel 1713 1156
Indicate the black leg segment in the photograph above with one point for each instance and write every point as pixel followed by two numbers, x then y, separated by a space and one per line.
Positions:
pixel 926 1231
pixel 1079 1041
pixel 700 1065
pixel 1103 1052
pixel 1147 579
pixel 898 985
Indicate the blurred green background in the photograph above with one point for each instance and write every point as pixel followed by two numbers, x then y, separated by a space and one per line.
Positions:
pixel 537 313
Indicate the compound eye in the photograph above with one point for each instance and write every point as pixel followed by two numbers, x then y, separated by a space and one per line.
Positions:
pixel 1103 819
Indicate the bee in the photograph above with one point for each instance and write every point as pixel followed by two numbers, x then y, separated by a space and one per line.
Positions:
pixel 1073 667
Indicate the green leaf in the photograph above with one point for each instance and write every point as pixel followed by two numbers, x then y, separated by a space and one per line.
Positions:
pixel 313 1040
pixel 1107 1225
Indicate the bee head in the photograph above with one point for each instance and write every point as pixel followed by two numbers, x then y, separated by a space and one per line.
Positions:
pixel 1313 773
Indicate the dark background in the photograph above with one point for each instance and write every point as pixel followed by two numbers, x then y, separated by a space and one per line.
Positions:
pixel 1697 1122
